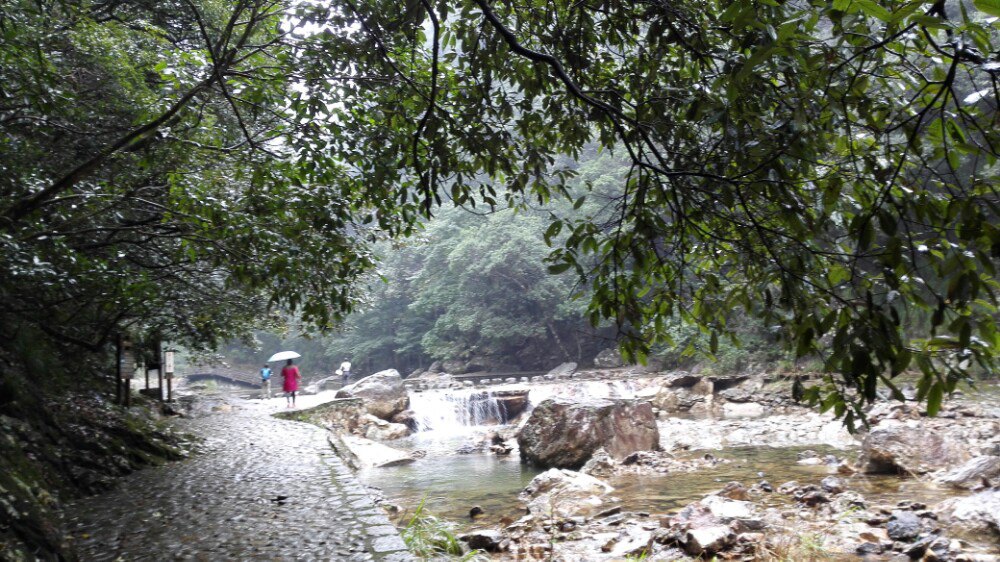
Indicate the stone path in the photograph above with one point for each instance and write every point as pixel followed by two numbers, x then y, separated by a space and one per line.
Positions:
pixel 259 488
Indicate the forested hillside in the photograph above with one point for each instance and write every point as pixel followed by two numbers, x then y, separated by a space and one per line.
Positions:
pixel 473 288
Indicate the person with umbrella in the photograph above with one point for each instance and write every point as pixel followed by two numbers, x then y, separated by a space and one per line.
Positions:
pixel 290 381
pixel 289 373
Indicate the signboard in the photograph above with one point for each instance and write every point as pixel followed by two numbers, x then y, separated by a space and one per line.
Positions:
pixel 168 362
pixel 127 365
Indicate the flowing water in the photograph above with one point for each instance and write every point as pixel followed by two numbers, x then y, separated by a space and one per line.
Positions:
pixel 449 483
pixel 453 412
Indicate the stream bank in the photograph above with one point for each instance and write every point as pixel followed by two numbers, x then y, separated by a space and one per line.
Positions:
pixel 805 486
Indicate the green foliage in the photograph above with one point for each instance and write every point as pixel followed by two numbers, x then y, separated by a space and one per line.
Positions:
pixel 830 168
pixel 428 537
pixel 470 288
pixel 144 188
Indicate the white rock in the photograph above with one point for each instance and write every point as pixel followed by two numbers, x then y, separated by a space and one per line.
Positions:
pixel 371 454
pixel 972 473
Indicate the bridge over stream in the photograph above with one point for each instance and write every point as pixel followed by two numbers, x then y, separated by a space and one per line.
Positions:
pixel 232 376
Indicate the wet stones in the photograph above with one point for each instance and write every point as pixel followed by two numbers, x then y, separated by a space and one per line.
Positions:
pixel 488 540
pixel 903 526
pixel 708 540
pixel 832 484
pixel 511 402
pixel 565 493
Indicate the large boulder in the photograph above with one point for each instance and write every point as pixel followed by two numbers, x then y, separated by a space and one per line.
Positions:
pixel 906 449
pixel 974 515
pixel 610 358
pixel 565 493
pixel 383 393
pixel 564 433
pixel 681 379
pixel 455 366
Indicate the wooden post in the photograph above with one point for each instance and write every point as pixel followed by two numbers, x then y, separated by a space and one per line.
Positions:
pixel 159 367
pixel 118 370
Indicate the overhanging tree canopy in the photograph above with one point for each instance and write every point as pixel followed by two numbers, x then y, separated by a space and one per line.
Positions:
pixel 830 167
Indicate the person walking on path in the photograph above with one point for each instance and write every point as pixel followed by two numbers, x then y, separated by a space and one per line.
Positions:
pixel 290 383
pixel 265 381
pixel 345 369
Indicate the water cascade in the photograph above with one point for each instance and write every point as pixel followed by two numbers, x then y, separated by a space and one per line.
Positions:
pixel 454 411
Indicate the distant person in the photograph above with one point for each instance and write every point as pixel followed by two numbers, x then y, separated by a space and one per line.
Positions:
pixel 265 381
pixel 290 383
pixel 345 372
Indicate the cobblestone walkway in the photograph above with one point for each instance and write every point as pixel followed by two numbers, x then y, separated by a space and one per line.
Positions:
pixel 259 489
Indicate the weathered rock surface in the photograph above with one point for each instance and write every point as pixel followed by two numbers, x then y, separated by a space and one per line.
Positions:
pixel 565 493
pixel 563 370
pixel 903 526
pixel 406 417
pixel 899 448
pixel 565 433
pixel 512 402
pixel 369 454
pixel 383 393
pixel 485 539
pixel 802 429
pixel 978 472
pixel 742 410
pixel 608 359
pixel 709 539
pixel 378 429
pixel 681 379
pixel 972 515
pixel 710 525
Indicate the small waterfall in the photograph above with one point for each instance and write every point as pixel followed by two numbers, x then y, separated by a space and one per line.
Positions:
pixel 454 411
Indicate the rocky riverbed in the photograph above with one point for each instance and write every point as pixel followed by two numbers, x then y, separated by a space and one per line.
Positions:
pixel 738 472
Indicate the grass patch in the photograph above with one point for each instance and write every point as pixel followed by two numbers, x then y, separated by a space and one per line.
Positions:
pixel 429 537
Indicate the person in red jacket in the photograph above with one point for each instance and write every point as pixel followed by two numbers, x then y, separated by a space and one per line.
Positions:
pixel 290 383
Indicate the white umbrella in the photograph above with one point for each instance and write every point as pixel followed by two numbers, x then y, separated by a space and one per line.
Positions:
pixel 282 355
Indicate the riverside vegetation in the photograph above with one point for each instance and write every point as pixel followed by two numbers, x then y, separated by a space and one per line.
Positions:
pixel 821 175
pixel 908 485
